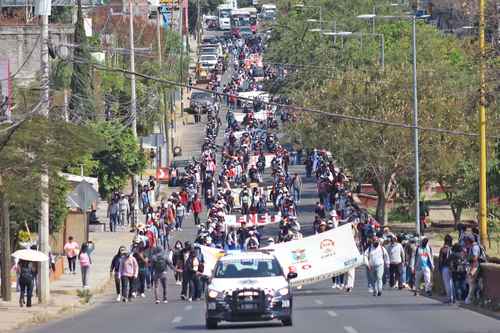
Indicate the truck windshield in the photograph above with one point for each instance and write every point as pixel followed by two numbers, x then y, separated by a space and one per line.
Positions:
pixel 248 268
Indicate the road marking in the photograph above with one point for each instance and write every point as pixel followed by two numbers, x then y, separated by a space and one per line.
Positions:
pixel 332 313
pixel 309 291
pixel 350 329
pixel 318 301
pixel 188 307
pixel 176 320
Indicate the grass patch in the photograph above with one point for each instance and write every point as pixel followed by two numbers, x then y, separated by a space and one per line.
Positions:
pixel 85 295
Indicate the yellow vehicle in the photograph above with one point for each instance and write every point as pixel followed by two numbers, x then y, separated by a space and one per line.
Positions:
pixel 202 73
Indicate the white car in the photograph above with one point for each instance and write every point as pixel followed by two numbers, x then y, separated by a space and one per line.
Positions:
pixel 249 286
pixel 209 60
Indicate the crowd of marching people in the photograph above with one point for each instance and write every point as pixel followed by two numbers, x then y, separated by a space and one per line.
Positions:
pixel 244 184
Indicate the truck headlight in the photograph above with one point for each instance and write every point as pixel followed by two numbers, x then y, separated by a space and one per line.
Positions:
pixel 283 291
pixel 213 293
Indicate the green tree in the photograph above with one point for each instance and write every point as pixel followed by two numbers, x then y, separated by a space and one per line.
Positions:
pixel 119 158
pixel 81 104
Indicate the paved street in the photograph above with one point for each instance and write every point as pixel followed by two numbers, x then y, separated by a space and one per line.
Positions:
pixel 317 308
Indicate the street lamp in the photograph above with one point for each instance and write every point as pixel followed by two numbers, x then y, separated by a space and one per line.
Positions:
pixel 374 13
pixel 361 34
pixel 312 6
pixel 413 20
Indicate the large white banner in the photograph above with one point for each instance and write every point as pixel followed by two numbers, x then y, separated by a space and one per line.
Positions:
pixel 210 257
pixel 319 257
pixel 251 220
pixel 261 115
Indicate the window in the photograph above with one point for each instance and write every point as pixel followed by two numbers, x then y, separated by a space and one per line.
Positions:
pixel 248 268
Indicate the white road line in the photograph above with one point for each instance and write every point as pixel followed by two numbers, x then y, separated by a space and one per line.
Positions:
pixel 176 320
pixel 318 301
pixel 350 329
pixel 309 291
pixel 188 308
pixel 332 313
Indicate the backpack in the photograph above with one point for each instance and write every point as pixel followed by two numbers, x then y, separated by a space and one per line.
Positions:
pixel 159 264
pixel 26 274
pixel 482 254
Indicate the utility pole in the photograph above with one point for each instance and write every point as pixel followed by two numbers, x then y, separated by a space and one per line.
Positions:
pixel 415 126
pixel 133 104
pixel 43 230
pixel 483 203
pixel 181 28
pixel 5 221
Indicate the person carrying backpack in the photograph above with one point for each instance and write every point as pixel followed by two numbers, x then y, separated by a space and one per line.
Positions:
pixel 444 268
pixel 422 266
pixel 458 268
pixel 160 261
pixel 475 256
pixel 26 277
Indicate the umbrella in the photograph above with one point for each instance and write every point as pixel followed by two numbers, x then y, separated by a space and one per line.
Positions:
pixel 30 255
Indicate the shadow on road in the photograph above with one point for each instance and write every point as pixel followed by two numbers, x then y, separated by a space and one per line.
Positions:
pixel 229 326
pixel 381 307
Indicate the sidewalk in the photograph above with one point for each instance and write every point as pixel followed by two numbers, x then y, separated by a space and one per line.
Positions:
pixel 64 290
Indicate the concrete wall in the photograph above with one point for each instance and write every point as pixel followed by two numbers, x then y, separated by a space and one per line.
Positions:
pixel 17 43
pixel 75 225
pixel 491 281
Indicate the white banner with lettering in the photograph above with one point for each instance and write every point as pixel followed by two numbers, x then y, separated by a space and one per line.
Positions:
pixel 319 257
pixel 251 220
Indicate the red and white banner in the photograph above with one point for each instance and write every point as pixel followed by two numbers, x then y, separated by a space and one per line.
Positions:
pixel 251 220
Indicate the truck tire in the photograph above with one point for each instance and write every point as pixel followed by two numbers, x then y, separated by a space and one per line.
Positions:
pixel 287 321
pixel 211 324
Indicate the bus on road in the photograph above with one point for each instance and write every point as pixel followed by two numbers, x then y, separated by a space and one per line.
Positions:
pixel 253 17
pixel 239 19
pixel 224 16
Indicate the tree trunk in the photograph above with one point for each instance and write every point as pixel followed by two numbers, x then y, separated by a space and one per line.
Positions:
pixel 381 213
pixel 457 214
pixel 5 241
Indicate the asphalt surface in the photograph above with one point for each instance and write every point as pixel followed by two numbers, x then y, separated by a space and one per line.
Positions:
pixel 316 308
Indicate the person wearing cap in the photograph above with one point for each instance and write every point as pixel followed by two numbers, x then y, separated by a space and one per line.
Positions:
pixel 423 265
pixel 376 259
pixel 114 270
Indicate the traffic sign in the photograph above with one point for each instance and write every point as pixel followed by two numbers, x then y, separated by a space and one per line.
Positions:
pixel 163 174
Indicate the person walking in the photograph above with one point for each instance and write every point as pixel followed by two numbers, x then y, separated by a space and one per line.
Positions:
pixel 159 263
pixel 475 255
pixel 27 273
pixel 377 259
pixel 423 266
pixel 114 270
pixel 85 263
pixel 142 263
pixel 71 249
pixel 297 188
pixel 197 209
pixel 129 271
pixel 396 260
pixel 178 261
pixel 444 267
pixel 113 211
pixel 124 208
pixel 180 211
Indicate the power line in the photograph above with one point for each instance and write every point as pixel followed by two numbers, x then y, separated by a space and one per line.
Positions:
pixel 24 62
pixel 298 108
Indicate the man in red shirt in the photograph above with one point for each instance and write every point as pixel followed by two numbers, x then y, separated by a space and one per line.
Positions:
pixel 197 209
